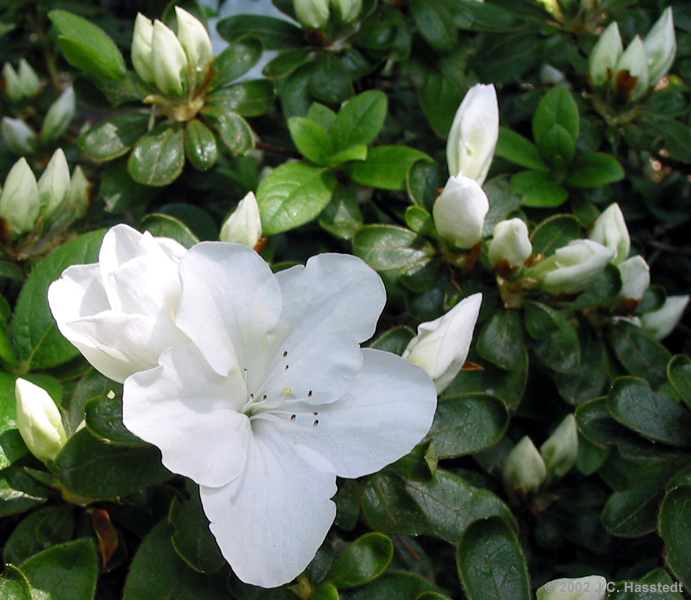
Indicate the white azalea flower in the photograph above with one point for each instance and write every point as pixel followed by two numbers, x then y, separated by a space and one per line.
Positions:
pixel 275 398
pixel 460 210
pixel 119 312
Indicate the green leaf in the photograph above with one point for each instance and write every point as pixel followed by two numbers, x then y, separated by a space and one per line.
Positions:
pixel 325 591
pixel 162 225
pixel 157 571
pixel 387 506
pixel 501 340
pixel 594 168
pixel 104 419
pixel 342 216
pixel 559 351
pixel 668 134
pixel 87 46
pixel 467 424
pixel 65 572
pixel 114 137
pixel 200 145
pixel 237 58
pixel 541 321
pixel 387 247
pixel 359 120
pixel 275 34
pixel 557 148
pixel 519 150
pixel 434 23
pixel 386 167
pixel 538 189
pixel 91 468
pixel 394 340
pixel 247 99
pixel 602 290
pixel 491 563
pixel 675 529
pixel 14 585
pixel 451 504
pixel 394 585
pixel 587 379
pixel 640 354
pixel 557 107
pixel 554 233
pixel 19 492
pixel 679 373
pixel 654 415
pixel 12 446
pixel 37 339
pixel 362 562
pixel 419 220
pixel 323 115
pixel 425 179
pixel 159 156
pixel 358 152
pixel 311 139
pixel 192 540
pixel 233 130
pixel 329 80
pixel 292 195
pixel 286 62
pixel 41 529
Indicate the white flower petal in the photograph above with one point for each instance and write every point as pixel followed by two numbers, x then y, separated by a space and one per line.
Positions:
pixel 230 302
pixel 270 521
pixel 191 413
pixel 360 433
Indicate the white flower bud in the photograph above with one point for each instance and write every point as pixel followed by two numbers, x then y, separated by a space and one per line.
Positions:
pixel 635 278
pixel 312 13
pixel 19 205
pixel 12 86
pixel 58 117
pixel 524 469
pixel 54 184
pixel 635 61
pixel 78 197
pixel 663 321
pixel 560 451
pixel 194 39
pixel 474 133
pixel 460 210
pixel 605 55
pixel 511 243
pixel 169 61
pixel 29 80
pixel 19 138
pixel 441 346
pixel 244 225
pixel 610 230
pixel 592 587
pixel 660 46
pixel 573 267
pixel 348 10
pixel 550 75
pixel 142 51
pixel 39 421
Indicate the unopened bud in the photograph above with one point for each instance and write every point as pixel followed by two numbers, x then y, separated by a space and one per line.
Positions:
pixel 635 278
pixel 244 225
pixel 634 61
pixel 560 451
pixel 19 205
pixel 661 323
pixel 460 210
pixel 19 138
pixel 511 243
pixel 78 197
pixel 142 50
pixel 661 46
pixel 347 10
pixel 605 55
pixel 194 39
pixel 610 230
pixel 169 61
pixel 39 421
pixel 21 85
pixel 58 117
pixel 54 184
pixel 312 13
pixel 524 469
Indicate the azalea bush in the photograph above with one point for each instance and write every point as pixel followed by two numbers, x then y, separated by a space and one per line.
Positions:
pixel 364 299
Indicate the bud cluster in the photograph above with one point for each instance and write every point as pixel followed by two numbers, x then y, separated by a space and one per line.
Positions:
pixel 315 14
pixel 20 85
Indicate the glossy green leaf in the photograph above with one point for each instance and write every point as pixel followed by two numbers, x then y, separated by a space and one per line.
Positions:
pixel 104 420
pixel 87 46
pixel 311 139
pixel 394 340
pixel 639 353
pixel 41 529
pixel 286 62
pixel 557 107
pixel 538 189
pixel 557 148
pixel 247 99
pixel 37 339
pixel 292 195
pixel 675 529
pixel 554 233
pixel 679 372
pixel 654 415
pixel 329 80
pixel 65 572
pixel 91 468
pixel 386 167
pixel 466 424
pixel 514 147
pixel 14 585
pixel 235 60
pixel 362 562
pixel 231 128
pixel 162 225
pixel 491 563
pixel 560 350
pixel 425 180
pixel 594 168
pixel 387 247
pixel 275 34
pixel 342 216
pixel 19 492
pixel 501 340
pixel 200 145
pixel 434 23
pixel 114 137
pixel 394 585
pixel 359 120
pixel 158 157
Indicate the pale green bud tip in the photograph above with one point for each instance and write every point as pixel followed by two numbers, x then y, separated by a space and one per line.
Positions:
pixel 142 53
pixel 511 243
pixel 635 278
pixel 634 60
pixel 194 38
pixel 244 225
pixel 30 81
pixel 169 61
pixel 605 55
pixel 592 587
pixel 19 205
pixel 610 230
pixel 78 198
pixel 560 451
pixel 663 321
pixel 19 138
pixel 661 46
pixel 54 184
pixel 347 10
pixel 312 13
pixel 39 421
pixel 59 117
pixel 524 468
pixel 20 85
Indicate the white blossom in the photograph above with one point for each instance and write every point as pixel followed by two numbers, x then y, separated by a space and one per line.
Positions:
pixel 662 321
pixel 460 210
